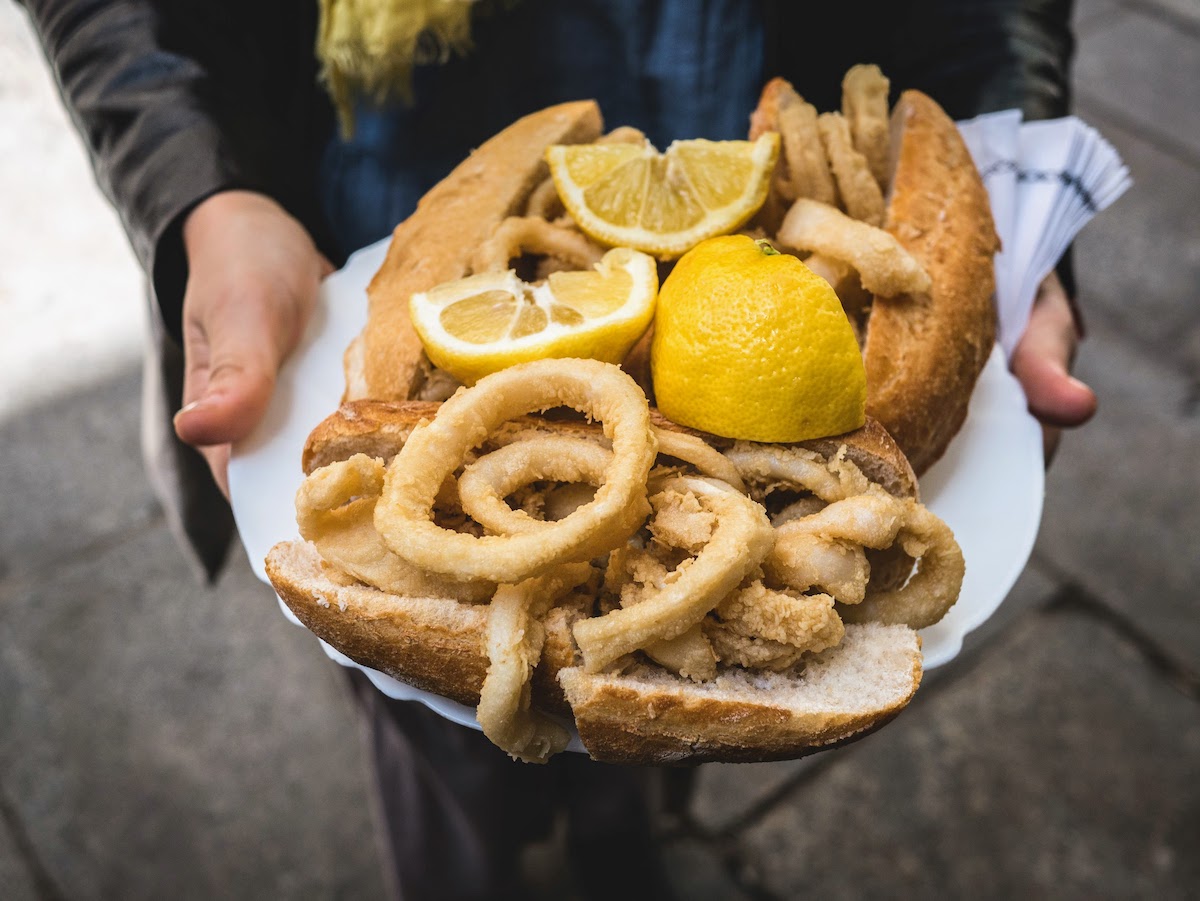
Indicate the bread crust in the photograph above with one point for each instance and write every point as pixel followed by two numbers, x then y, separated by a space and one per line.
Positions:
pixel 434 644
pixel 623 720
pixel 434 244
pixel 380 428
pixel 437 644
pixel 923 354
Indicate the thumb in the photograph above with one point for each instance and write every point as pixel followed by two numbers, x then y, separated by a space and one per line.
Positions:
pixel 1042 359
pixel 233 356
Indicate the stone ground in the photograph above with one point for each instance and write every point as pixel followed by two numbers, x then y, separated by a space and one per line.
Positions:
pixel 161 737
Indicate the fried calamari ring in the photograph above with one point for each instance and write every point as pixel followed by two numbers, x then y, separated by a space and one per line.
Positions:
pixel 485 484
pixel 698 453
pixel 876 520
pixel 635 572
pixel 335 509
pixel 518 235
pixel 804 506
pixel 740 541
pixel 825 549
pixel 865 106
pixel 796 467
pixel 514 639
pixel 544 202
pixel 803 168
pixel 537 456
pixel 935 586
pixel 435 450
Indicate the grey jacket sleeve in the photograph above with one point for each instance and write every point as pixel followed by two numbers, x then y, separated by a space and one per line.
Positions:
pixel 141 106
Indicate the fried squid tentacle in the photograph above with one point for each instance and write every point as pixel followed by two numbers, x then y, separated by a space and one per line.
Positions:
pixel 739 542
pixel 435 450
pixel 805 622
pixel 485 484
pixel 514 638
pixel 518 235
pixel 690 655
pixel 335 510
pixel 825 549
pixel 803 559
pixel 749 651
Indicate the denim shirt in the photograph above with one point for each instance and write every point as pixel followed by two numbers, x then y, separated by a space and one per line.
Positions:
pixel 672 68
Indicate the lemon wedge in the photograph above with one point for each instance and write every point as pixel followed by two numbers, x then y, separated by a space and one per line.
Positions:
pixel 630 195
pixel 483 323
pixel 749 343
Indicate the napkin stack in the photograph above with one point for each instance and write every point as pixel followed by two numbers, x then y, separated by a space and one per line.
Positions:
pixel 1046 181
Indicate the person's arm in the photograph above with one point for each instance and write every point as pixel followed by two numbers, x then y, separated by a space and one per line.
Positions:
pixel 140 107
pixel 198 215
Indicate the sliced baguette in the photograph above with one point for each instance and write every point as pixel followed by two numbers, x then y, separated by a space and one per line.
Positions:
pixel 435 644
pixel 644 716
pixel 648 715
pixel 434 244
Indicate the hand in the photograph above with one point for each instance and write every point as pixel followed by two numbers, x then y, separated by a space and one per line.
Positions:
pixel 252 284
pixel 1042 362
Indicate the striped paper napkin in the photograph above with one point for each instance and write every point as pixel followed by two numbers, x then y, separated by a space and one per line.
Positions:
pixel 1046 181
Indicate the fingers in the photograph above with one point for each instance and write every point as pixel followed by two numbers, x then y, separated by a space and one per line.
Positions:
pixel 253 275
pixel 233 349
pixel 218 461
pixel 1042 359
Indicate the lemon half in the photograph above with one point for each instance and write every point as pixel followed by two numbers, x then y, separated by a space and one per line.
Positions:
pixel 630 195
pixel 487 322
pixel 749 343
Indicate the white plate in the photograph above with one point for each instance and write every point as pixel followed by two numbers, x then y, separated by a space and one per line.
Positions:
pixel 988 486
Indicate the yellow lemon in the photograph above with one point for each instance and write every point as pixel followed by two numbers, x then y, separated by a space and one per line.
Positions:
pixel 630 195
pixel 483 323
pixel 750 343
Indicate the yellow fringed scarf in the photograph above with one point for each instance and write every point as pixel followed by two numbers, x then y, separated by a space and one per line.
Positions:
pixel 369 47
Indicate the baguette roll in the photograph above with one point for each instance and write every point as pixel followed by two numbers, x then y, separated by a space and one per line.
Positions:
pixel 924 353
pixel 643 714
pixel 927 336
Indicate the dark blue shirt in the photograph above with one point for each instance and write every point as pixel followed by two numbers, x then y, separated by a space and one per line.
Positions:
pixel 672 68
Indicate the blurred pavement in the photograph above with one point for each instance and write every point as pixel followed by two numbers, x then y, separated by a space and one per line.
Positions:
pixel 158 737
